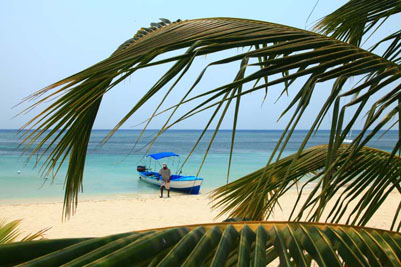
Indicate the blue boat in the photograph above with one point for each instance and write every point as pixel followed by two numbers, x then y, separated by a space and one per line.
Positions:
pixel 187 184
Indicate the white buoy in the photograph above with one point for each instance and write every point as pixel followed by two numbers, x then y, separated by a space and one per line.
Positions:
pixel 19 172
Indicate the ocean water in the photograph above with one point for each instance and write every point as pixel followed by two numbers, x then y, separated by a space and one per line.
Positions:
pixel 111 168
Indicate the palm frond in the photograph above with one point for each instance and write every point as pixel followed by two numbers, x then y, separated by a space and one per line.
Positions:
pixel 354 19
pixel 393 51
pixel 221 244
pixel 9 232
pixel 363 181
pixel 278 54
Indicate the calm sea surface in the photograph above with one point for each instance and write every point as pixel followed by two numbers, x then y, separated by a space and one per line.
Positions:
pixel 111 168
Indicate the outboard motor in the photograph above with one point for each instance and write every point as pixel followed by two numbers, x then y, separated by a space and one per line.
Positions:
pixel 141 168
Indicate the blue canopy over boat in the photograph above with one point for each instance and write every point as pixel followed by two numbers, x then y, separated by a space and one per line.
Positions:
pixel 161 155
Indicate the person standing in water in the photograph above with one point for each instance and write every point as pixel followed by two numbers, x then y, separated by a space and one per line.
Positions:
pixel 165 173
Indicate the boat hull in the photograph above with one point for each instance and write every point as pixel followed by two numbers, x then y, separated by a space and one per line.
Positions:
pixel 187 184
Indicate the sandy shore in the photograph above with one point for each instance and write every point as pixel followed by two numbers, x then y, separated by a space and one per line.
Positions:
pixel 99 217
pixel 117 214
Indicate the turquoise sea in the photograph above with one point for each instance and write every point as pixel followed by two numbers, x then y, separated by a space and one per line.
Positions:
pixel 111 168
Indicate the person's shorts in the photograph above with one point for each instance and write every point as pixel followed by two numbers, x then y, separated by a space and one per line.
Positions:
pixel 165 184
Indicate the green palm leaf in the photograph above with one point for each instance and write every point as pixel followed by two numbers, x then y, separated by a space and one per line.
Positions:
pixel 360 179
pixel 9 232
pixel 244 244
pixel 393 51
pixel 62 129
pixel 356 18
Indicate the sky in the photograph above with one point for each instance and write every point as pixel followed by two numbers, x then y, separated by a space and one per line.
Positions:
pixel 42 42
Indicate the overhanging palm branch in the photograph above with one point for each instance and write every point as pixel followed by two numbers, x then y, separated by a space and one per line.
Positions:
pixel 9 232
pixel 393 51
pixel 224 244
pixel 361 182
pixel 357 18
pixel 277 55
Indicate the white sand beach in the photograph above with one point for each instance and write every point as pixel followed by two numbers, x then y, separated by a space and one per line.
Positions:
pixel 124 213
pixel 117 214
